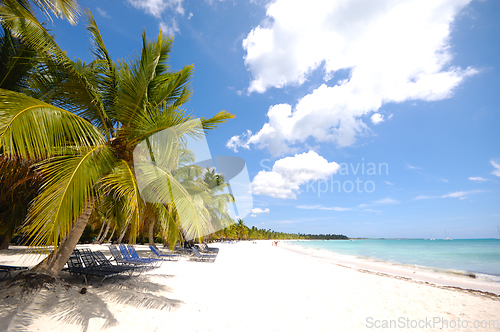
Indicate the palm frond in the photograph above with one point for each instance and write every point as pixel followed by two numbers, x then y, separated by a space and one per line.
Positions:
pixel 159 185
pixel 16 62
pixel 68 9
pixel 121 184
pixel 217 119
pixel 33 129
pixel 69 184
pixel 18 17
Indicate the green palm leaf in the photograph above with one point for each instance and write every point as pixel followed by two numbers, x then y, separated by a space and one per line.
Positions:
pixel 69 185
pixel 31 128
pixel 121 184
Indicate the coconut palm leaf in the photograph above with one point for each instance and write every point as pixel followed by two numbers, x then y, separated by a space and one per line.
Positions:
pixel 121 184
pixel 68 9
pixel 16 62
pixel 18 17
pixel 33 129
pixel 216 120
pixel 69 184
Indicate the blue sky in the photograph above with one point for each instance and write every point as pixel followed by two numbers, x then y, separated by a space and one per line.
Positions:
pixel 322 89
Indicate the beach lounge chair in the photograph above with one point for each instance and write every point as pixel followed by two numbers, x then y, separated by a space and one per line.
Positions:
pixel 209 250
pixel 76 267
pixel 98 261
pixel 158 253
pixel 202 257
pixel 7 269
pixel 120 260
pixel 132 254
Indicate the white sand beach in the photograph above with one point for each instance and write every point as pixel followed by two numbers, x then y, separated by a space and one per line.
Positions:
pixel 250 287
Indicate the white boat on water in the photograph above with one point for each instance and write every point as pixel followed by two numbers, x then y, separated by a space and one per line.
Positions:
pixel 447 238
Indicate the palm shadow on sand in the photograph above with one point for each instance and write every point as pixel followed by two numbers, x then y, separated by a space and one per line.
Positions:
pixel 62 301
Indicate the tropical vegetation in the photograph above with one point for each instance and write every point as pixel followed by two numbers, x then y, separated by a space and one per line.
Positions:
pixel 76 125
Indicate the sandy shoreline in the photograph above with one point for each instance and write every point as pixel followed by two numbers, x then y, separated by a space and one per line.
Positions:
pixel 250 287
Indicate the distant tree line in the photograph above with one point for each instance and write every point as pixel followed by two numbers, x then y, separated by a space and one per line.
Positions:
pixel 240 231
pixel 323 236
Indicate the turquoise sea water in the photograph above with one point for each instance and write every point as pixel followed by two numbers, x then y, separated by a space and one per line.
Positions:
pixel 475 255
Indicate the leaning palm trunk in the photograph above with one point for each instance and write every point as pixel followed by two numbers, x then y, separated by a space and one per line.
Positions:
pixel 98 238
pixel 151 233
pixel 103 237
pixel 54 263
pixel 122 235
pixel 111 236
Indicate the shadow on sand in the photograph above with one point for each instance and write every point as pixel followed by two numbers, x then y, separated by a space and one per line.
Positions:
pixel 63 301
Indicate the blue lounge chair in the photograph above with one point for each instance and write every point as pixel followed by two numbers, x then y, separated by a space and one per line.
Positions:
pixel 158 253
pixel 119 259
pixel 132 254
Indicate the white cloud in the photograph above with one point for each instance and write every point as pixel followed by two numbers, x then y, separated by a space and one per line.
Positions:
pixel 389 183
pixel 460 194
pixel 190 15
pixel 102 12
pixel 239 141
pixel 424 197
pixel 169 29
pixel 256 211
pixel 395 51
pixel 157 7
pixel 386 200
pixel 497 168
pixel 457 194
pixel 320 207
pixel 289 173
pixel 478 178
pixel 413 167
pixel 377 118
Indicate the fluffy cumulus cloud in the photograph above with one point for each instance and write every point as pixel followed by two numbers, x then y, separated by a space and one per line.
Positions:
pixel 394 50
pixel 239 141
pixel 288 174
pixel 157 7
pixel 377 118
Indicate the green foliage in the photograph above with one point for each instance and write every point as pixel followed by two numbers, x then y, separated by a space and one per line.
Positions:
pixel 84 121
pixel 239 231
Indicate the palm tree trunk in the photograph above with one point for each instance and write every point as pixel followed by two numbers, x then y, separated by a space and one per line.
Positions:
pixel 5 241
pixel 54 263
pixel 103 237
pixel 151 233
pixel 122 235
pixel 96 241
pixel 112 233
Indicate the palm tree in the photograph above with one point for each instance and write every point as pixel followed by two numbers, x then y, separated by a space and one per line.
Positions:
pixel 85 120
